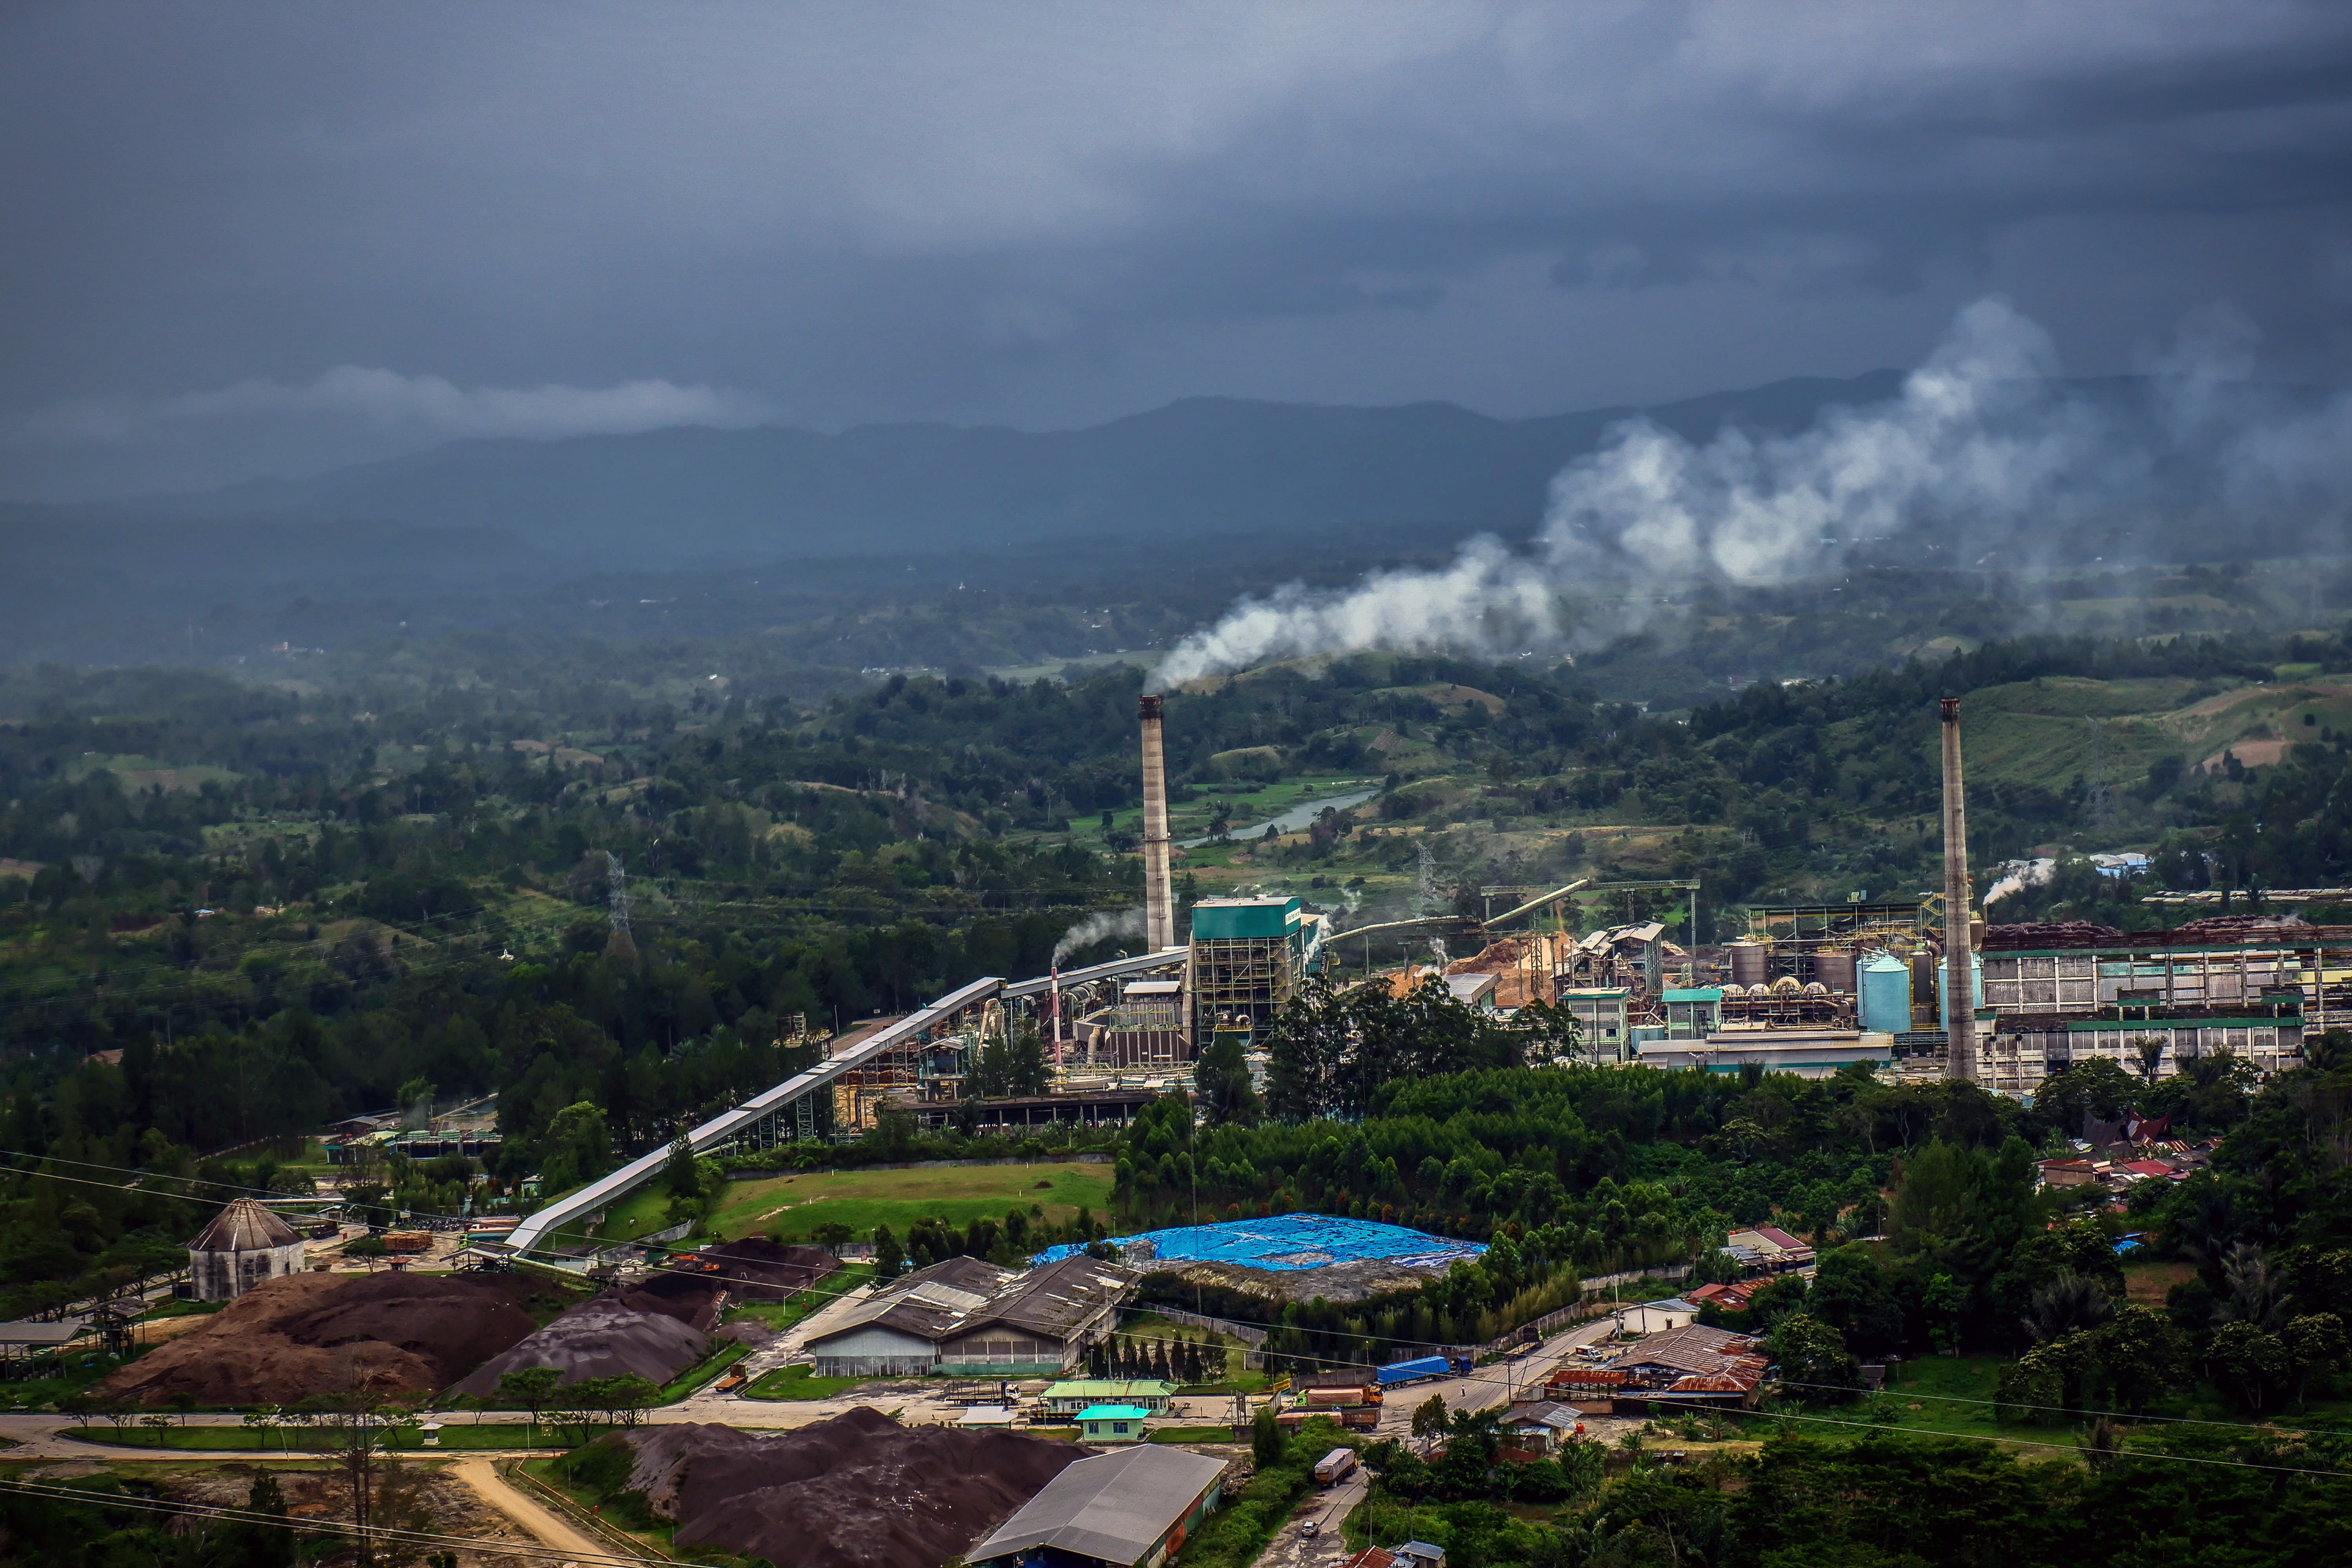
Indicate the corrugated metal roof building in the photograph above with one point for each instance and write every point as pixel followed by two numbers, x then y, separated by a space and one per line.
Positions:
pixel 967 1316
pixel 1129 1509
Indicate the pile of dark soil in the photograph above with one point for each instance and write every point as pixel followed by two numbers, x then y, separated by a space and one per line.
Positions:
pixel 608 1337
pixel 856 1491
pixel 305 1334
pixel 752 1270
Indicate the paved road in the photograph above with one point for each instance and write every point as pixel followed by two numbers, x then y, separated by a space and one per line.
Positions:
pixel 1483 1389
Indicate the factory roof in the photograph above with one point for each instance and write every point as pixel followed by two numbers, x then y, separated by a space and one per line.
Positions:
pixel 1114 1412
pixel 1695 993
pixel 243 1226
pixel 1230 919
pixel 1695 1350
pixel 27 1331
pixel 1111 1388
pixel 1114 1507
pixel 1470 989
pixel 964 1294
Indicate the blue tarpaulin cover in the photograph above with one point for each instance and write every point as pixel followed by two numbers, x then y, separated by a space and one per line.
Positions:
pixel 1408 1371
pixel 1292 1241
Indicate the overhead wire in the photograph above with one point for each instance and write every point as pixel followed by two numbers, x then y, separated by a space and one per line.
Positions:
pixel 321 1526
pixel 2075 1449
pixel 2063 1410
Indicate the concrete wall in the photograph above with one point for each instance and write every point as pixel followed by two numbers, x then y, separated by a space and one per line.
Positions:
pixel 226 1276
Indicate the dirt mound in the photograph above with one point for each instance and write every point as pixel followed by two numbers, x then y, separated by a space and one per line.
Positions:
pixel 607 1337
pixel 856 1491
pixel 1358 1280
pixel 745 1334
pixel 305 1334
pixel 752 1270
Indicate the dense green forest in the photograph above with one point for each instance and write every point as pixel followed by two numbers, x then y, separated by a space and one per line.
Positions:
pixel 2208 1426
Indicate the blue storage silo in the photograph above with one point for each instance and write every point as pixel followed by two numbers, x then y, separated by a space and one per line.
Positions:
pixel 1886 994
pixel 1976 991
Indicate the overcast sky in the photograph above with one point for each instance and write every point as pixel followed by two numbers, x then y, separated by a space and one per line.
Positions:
pixel 250 239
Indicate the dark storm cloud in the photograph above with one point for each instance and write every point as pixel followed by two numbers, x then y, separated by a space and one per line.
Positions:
pixel 255 237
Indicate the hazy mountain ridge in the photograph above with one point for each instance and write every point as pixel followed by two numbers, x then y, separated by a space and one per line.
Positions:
pixel 1217 465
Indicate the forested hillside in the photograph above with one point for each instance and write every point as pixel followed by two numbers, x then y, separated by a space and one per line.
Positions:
pixel 288 900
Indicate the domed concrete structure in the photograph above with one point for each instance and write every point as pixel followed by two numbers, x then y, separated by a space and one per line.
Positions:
pixel 245 1245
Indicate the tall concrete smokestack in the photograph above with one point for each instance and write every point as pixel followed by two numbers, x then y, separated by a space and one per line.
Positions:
pixel 1159 909
pixel 1959 994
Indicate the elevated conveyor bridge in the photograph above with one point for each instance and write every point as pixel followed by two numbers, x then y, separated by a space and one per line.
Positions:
pixel 891 1056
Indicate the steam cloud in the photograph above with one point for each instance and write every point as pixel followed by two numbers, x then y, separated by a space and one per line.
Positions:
pixel 1978 442
pixel 1096 928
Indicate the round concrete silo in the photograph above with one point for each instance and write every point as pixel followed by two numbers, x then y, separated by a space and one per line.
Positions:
pixel 245 1245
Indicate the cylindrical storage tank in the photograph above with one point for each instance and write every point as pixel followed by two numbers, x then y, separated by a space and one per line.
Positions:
pixel 1886 994
pixel 1976 986
pixel 1747 960
pixel 1834 971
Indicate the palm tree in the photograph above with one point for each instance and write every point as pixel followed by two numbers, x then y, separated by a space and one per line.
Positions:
pixel 2069 1302
pixel 2253 1296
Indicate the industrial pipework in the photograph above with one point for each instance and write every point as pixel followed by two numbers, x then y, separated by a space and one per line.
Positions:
pixel 1959 994
pixel 1159 907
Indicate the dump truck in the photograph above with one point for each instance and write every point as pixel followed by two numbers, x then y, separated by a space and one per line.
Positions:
pixel 1335 1467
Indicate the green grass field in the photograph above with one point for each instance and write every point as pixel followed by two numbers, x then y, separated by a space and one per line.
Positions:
pixel 1190 1435
pixel 712 1365
pixel 802 1382
pixel 782 1315
pixel 642 1213
pixel 795 1206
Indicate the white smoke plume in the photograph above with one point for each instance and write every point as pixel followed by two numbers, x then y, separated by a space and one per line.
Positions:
pixel 1094 927
pixel 2016 875
pixel 1978 442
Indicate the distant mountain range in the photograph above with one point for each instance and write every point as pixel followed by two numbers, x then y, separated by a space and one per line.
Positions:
pixel 1201 465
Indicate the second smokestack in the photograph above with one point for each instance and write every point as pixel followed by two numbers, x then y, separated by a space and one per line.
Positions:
pixel 1960 990
pixel 1159 907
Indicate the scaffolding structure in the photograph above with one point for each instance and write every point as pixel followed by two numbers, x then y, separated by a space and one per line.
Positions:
pixel 1144 1028
pixel 1800 928
pixel 1242 981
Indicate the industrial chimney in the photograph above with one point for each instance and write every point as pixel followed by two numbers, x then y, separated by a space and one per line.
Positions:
pixel 1159 910
pixel 1960 992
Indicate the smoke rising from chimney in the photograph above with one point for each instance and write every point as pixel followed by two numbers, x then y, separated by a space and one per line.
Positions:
pixel 1983 449
pixel 1094 927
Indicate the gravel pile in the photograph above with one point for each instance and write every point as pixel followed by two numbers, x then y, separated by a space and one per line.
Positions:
pixel 288 1338
pixel 608 1337
pixel 856 1491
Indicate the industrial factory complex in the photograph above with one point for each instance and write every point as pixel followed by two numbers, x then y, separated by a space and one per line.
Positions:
pixel 1811 990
